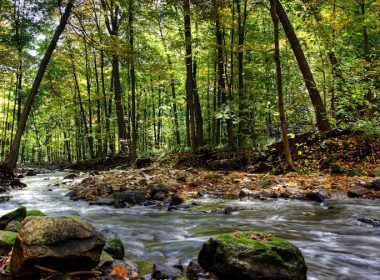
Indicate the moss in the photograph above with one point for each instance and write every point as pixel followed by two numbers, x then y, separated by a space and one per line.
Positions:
pixel 114 243
pixel 243 238
pixel 16 215
pixel 7 237
pixel 38 213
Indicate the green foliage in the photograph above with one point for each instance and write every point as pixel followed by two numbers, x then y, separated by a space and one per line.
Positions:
pixel 370 129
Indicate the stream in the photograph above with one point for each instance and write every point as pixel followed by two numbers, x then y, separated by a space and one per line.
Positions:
pixel 334 243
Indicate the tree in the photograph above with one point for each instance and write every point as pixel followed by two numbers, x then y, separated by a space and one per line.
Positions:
pixel 281 106
pixel 320 110
pixel 12 157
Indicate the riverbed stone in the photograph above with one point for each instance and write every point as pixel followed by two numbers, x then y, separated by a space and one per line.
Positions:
pixel 57 243
pixel 114 246
pixel 7 239
pixel 315 196
pixel 163 271
pixel 129 197
pixel 17 215
pixel 357 191
pixel 103 202
pixel 251 256
pixel 176 200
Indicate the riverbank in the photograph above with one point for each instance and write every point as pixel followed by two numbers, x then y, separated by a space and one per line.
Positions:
pixel 327 233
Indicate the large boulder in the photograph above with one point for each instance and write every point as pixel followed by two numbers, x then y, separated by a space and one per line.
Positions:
pixel 16 215
pixel 57 243
pixel 7 239
pixel 252 256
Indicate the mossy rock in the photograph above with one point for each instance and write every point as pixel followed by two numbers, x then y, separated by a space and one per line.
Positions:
pixel 114 246
pixel 7 239
pixel 252 255
pixel 37 213
pixel 17 215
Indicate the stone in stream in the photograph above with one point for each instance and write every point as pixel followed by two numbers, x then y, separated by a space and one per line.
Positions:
pixel 57 243
pixel 114 246
pixel 370 221
pixel 245 192
pixel 7 240
pixel 16 215
pixel 163 271
pixel 315 196
pixel 103 202
pixel 357 191
pixel 129 197
pixel 70 176
pixel 376 185
pixel 252 255
pixel 176 200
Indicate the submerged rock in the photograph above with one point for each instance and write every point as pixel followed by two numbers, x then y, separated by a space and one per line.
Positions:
pixel 176 200
pixel 16 215
pixel 370 221
pixel 103 202
pixel 57 243
pixel 252 255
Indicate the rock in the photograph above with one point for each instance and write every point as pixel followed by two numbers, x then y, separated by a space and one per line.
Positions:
pixel 176 200
pixel 376 185
pixel 142 162
pixel 229 210
pixel 130 197
pixel 315 196
pixel 57 243
pixel 114 246
pixel 252 255
pixel 245 192
pixel 7 240
pixel 103 202
pixel 16 215
pixel 16 183
pixel 260 168
pixel 160 196
pixel 70 176
pixel 164 271
pixel 174 262
pixel 370 221
pixel 357 191
pixel 106 260
pixel 13 226
pixel 30 173
pixel 194 270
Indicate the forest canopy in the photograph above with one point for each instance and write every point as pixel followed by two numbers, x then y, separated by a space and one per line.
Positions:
pixel 148 77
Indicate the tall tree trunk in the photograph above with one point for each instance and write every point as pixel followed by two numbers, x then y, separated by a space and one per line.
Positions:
pixel 11 160
pixel 81 107
pixel 281 106
pixel 197 108
pixel 133 80
pixel 189 75
pixel 242 17
pixel 221 75
pixel 320 111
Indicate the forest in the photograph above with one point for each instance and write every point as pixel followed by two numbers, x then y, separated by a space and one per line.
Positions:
pixel 150 77
pixel 189 139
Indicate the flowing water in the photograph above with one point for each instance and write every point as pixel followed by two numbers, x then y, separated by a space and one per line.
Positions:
pixel 334 243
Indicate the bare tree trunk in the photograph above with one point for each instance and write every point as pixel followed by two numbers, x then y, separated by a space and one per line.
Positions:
pixel 189 75
pixel 133 81
pixel 320 111
pixel 281 106
pixel 11 159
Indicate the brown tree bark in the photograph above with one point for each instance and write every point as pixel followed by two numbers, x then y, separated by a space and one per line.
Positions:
pixel 281 106
pixel 11 159
pixel 320 110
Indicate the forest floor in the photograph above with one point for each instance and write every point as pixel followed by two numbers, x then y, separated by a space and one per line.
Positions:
pixel 337 164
